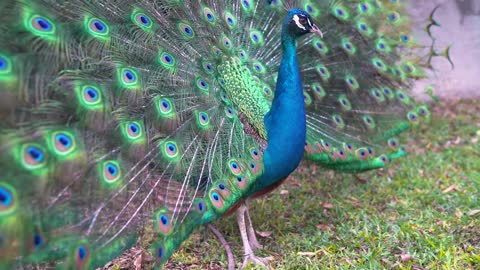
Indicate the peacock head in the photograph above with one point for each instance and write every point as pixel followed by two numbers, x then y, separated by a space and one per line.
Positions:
pixel 299 22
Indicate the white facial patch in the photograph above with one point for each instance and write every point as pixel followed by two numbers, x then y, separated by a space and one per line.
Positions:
pixel 296 19
pixel 309 22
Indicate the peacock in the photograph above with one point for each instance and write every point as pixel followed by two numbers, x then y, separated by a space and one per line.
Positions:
pixel 125 116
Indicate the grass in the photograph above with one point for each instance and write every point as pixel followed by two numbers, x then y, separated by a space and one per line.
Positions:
pixel 418 214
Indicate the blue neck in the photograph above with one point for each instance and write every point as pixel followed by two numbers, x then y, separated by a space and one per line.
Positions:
pixel 285 122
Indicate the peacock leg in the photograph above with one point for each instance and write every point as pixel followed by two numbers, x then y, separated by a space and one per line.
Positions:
pixel 247 249
pixel 254 244
pixel 218 234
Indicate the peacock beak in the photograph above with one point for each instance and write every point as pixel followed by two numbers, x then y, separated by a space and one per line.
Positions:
pixel 314 29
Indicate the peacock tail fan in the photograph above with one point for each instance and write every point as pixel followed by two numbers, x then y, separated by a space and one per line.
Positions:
pixel 357 81
pixel 120 115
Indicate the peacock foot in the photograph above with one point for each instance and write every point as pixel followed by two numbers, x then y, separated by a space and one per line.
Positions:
pixel 252 238
pixel 262 261
pixel 249 239
pixel 254 244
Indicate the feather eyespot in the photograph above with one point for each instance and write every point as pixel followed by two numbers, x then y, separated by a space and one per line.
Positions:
pixel 230 20
pixel 227 43
pixel 216 199
pixel 393 144
pixel 234 167
pixel 8 199
pixel 423 111
pixel 141 20
pixel 163 222
pixel 323 72
pixel 384 159
pixel 368 121
pixel 345 103
pixel 111 171
pixel 241 182
pixel 229 112
pixel 246 4
pixel 63 142
pixel 37 239
pixel 167 60
pixel 379 65
pixel 256 37
pixel 412 117
pixel 91 95
pixel 404 38
pixel 320 46
pixel 82 255
pixel 362 153
pixel 201 207
pixel 364 7
pixel 208 15
pixel 255 167
pixel 309 8
pixel 165 106
pixel 4 65
pixel 203 120
pixel 171 149
pixel 41 25
pixel 208 67
pixel 223 190
pixel 160 252
pixel 267 92
pixel 338 121
pixel 255 153
pixel 341 154
pixel 347 147
pixel 186 30
pixel 393 16
pixel 259 67
pixel 202 85
pixel 128 78
pixel 242 54
pixel 97 27
pixel 324 146
pixel 33 156
pixel 133 130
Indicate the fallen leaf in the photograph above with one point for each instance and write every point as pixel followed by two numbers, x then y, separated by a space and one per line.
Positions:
pixel 458 213
pixel 406 257
pixel 458 140
pixel 474 212
pixel 353 198
pixel 309 253
pixel 138 262
pixel 450 188
pixel 327 205
pixel 324 227
pixel 264 234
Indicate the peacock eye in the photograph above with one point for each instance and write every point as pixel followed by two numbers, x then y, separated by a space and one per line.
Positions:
pixel 302 20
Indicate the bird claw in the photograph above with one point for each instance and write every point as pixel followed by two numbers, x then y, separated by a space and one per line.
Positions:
pixel 261 261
